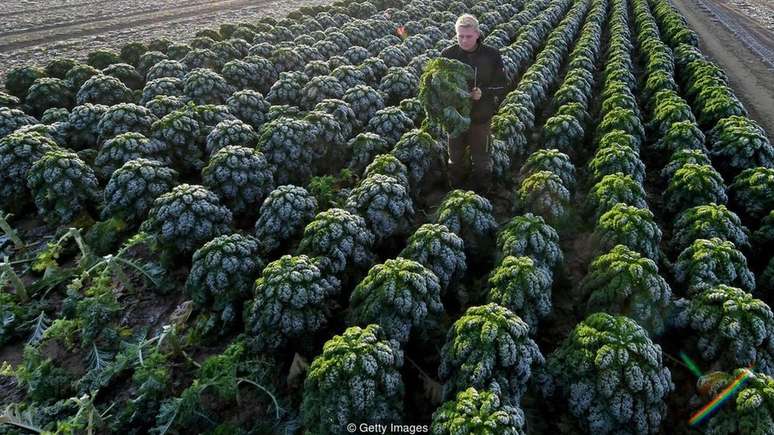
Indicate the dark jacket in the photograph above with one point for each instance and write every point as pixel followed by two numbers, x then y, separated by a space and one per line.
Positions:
pixel 490 78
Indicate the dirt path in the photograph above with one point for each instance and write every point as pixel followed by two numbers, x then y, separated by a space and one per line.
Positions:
pixel 67 30
pixel 15 12
pixel 761 11
pixel 92 15
pixel 750 76
pixel 73 31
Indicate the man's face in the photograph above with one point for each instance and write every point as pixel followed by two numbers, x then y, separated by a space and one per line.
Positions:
pixel 467 37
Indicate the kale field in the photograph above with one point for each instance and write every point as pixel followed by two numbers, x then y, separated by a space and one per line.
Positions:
pixel 243 224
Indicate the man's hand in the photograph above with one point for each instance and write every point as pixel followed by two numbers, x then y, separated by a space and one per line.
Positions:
pixel 475 94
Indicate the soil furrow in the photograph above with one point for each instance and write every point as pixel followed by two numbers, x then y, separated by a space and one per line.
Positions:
pixel 175 28
pixel 749 76
pixel 49 8
pixel 99 17
pixel 81 30
pixel 744 30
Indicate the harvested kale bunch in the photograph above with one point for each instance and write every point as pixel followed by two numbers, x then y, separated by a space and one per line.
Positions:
pixel 443 91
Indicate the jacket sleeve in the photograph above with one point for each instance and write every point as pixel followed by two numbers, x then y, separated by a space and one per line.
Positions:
pixel 499 84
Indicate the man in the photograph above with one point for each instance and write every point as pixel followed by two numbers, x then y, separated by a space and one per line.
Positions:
pixel 486 90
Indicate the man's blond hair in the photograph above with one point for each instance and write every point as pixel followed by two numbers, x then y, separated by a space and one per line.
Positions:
pixel 467 21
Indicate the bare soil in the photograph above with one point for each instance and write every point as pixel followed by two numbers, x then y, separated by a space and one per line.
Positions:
pixel 751 75
pixel 27 37
pixel 761 11
pixel 35 32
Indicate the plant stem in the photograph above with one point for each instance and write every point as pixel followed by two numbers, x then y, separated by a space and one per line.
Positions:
pixel 11 233
pixel 26 260
pixel 76 235
pixel 21 289
pixel 255 384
